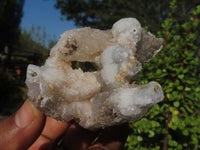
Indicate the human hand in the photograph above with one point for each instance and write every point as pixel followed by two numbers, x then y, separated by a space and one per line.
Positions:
pixel 29 129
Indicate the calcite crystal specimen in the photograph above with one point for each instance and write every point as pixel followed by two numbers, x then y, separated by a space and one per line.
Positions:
pixel 107 96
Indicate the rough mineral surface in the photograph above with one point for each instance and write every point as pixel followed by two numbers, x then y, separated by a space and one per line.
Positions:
pixel 104 97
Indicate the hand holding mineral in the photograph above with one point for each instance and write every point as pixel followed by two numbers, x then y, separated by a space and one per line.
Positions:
pixel 29 129
pixel 104 97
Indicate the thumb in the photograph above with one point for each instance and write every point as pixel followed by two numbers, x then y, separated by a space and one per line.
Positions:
pixel 20 130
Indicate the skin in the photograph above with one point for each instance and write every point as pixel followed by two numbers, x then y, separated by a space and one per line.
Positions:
pixel 29 129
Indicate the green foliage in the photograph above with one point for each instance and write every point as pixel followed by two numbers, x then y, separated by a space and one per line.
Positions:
pixel 10 17
pixel 33 42
pixel 37 36
pixel 174 123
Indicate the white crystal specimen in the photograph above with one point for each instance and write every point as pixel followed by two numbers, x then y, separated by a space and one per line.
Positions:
pixel 104 97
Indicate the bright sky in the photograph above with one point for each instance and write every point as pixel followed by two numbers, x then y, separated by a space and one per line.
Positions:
pixel 43 13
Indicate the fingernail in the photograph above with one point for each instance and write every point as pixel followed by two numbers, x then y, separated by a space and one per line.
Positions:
pixel 25 115
pixel 96 148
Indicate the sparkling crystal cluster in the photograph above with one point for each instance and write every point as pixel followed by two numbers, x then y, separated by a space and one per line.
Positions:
pixel 107 96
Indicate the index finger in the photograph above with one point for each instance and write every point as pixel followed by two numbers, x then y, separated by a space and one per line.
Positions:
pixel 52 132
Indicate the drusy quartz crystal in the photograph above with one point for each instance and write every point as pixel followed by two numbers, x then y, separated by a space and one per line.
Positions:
pixel 106 96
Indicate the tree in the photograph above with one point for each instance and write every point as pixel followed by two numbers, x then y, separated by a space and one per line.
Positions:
pixel 10 18
pixel 103 13
pixel 38 35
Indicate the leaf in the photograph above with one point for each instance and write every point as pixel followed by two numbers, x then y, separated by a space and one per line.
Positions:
pixel 176 104
pixel 158 71
pixel 188 109
pixel 151 133
pixel 197 89
pixel 181 76
pixel 168 90
pixel 198 9
pixel 168 96
pixel 190 82
pixel 186 26
pixel 173 143
pixel 139 138
pixel 180 88
pixel 194 139
pixel 187 89
pixel 185 132
pixel 177 37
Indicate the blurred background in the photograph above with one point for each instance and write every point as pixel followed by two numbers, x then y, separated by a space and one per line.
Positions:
pixel 28 29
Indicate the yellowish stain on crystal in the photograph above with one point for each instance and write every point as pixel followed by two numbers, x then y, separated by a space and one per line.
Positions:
pixel 52 86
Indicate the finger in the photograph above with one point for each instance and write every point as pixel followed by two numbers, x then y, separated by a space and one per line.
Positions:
pixel 20 130
pixel 52 131
pixel 112 138
pixel 78 138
